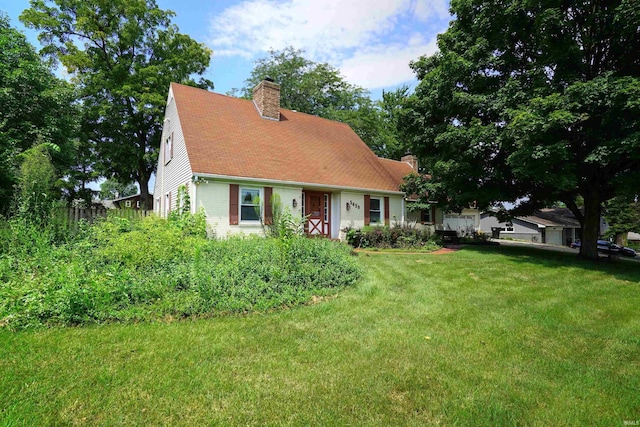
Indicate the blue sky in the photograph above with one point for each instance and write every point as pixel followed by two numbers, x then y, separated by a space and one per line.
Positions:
pixel 370 41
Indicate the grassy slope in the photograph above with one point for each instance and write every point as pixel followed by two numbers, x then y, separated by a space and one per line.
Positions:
pixel 491 336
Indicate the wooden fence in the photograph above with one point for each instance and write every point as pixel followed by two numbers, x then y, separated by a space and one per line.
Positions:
pixel 71 216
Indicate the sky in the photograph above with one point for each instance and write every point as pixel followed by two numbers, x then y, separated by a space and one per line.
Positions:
pixel 371 42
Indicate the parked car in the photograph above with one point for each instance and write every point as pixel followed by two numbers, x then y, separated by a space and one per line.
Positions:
pixel 606 247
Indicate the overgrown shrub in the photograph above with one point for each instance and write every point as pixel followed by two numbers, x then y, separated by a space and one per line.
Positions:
pixel 284 225
pixel 146 269
pixel 395 237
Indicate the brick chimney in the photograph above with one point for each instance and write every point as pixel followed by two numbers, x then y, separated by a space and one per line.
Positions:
pixel 411 160
pixel 266 97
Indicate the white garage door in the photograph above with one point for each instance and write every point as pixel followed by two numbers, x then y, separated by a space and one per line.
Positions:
pixel 460 223
pixel 554 237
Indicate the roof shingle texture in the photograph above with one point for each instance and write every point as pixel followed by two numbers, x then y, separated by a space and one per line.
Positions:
pixel 227 136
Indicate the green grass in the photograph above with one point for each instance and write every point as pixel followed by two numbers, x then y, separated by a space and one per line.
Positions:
pixel 484 336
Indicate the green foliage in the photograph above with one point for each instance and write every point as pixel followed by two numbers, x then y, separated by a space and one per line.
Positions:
pixel 284 225
pixel 395 237
pixel 123 54
pixel 36 107
pixel 534 102
pixel 130 270
pixel 181 217
pixel 36 193
pixel 622 215
pixel 305 86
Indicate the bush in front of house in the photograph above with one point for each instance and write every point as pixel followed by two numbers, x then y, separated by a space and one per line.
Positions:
pixel 151 269
pixel 395 237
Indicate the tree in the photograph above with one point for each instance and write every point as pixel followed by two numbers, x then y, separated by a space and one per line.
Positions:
pixel 319 89
pixel 622 213
pixel 123 54
pixel 37 190
pixel 531 102
pixel 111 189
pixel 305 86
pixel 36 107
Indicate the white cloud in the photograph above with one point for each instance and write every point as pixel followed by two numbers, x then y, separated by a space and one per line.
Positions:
pixel 384 66
pixel 361 37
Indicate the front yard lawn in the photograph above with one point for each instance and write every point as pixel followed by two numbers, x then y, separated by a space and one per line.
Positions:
pixel 483 336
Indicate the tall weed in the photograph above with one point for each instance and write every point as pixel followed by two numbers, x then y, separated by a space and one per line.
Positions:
pixel 121 270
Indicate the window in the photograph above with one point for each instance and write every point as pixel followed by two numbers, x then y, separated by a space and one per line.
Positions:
pixel 374 211
pixel 127 203
pixel 138 204
pixel 168 149
pixel 326 208
pixel 249 204
pixel 508 228
pixel 425 216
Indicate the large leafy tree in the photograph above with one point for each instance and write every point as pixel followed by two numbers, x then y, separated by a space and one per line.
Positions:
pixel 532 101
pixel 35 107
pixel 319 89
pixel 306 86
pixel 123 54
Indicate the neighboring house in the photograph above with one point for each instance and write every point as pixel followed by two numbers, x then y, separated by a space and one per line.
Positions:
pixel 552 226
pixel 231 155
pixel 129 202
pixel 633 237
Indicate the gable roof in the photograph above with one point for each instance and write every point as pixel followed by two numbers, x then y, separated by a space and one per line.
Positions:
pixel 397 170
pixel 549 217
pixel 226 136
pixel 560 216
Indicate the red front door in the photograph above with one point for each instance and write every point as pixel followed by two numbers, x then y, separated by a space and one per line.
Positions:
pixel 316 207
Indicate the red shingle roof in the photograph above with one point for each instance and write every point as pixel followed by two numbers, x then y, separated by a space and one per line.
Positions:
pixel 397 170
pixel 227 136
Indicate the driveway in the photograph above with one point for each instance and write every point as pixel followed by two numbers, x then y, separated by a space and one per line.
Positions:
pixel 552 248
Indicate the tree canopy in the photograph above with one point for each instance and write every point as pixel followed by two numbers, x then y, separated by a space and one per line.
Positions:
pixel 36 107
pixel 123 54
pixel 320 89
pixel 531 102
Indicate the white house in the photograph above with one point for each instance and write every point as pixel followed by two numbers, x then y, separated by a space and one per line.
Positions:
pixel 232 153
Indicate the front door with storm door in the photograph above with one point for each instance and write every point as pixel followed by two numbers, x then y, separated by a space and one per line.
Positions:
pixel 317 209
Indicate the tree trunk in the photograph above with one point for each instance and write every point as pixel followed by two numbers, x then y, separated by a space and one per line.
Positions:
pixel 621 239
pixel 590 225
pixel 143 182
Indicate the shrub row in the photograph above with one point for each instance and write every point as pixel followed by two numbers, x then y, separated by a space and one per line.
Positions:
pixel 124 270
pixel 397 236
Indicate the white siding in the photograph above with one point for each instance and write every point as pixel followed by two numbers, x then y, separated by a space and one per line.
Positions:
pixel 336 204
pixel 396 214
pixel 354 216
pixel 213 197
pixel 177 171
